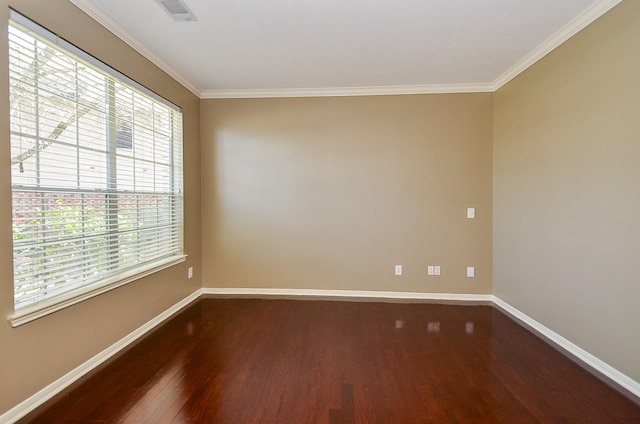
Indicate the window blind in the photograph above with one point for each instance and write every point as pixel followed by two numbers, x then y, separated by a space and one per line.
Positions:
pixel 96 167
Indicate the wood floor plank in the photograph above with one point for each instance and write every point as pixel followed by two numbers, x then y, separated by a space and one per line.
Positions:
pixel 332 362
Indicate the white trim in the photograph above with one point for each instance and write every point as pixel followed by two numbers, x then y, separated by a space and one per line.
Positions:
pixel 104 19
pixel 582 355
pixel 49 306
pixel 31 403
pixel 595 11
pixel 585 357
pixel 349 294
pixel 348 91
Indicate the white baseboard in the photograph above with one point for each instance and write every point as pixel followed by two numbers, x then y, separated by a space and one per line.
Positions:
pixel 601 367
pixel 31 403
pixel 348 294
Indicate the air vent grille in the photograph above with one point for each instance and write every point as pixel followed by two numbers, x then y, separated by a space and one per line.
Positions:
pixel 178 10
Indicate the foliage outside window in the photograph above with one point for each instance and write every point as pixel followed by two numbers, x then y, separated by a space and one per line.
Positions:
pixel 96 172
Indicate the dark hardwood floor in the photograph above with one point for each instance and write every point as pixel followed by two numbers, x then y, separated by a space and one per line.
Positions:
pixel 293 361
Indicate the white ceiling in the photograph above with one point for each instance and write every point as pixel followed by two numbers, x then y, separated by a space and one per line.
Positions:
pixel 261 48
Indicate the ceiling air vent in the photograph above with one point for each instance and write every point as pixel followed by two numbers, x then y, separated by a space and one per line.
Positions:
pixel 178 10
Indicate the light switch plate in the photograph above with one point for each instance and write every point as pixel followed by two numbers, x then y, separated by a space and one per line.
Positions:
pixel 471 271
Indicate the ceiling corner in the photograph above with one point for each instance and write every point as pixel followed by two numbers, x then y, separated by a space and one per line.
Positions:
pixel 581 21
pixel 104 19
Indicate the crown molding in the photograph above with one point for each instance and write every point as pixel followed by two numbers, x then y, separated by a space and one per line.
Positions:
pixel 595 11
pixel 104 19
pixel 349 91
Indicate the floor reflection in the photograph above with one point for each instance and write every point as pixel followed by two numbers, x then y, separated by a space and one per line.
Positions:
pixel 433 327
pixel 469 327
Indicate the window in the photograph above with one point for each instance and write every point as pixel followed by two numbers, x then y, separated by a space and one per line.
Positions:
pixel 96 167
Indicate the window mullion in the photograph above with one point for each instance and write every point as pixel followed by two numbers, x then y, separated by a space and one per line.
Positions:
pixel 112 175
pixel 82 198
pixel 42 253
pixel 172 188
pixel 134 158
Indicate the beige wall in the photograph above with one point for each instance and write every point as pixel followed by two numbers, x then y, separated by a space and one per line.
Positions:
pixel 567 190
pixel 331 193
pixel 36 354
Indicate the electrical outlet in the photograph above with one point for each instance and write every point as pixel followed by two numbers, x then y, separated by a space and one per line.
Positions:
pixel 471 271
pixel 471 213
pixel 436 270
pixel 398 270
pixel 190 272
pixel 431 270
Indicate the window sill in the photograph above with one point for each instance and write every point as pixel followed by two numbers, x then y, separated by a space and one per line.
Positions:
pixel 49 306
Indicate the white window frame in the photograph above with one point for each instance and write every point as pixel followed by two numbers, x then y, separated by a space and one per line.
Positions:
pixel 48 304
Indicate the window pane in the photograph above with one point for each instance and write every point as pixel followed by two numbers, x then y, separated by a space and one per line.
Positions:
pixel 96 178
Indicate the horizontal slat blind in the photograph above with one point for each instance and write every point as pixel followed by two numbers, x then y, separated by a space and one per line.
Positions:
pixel 96 172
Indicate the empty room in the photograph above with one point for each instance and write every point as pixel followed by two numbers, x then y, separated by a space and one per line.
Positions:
pixel 310 211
